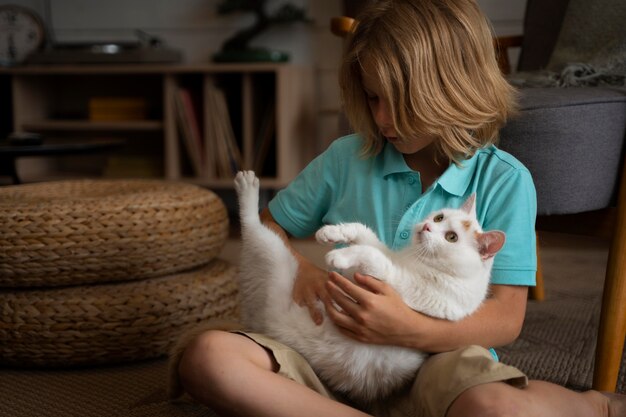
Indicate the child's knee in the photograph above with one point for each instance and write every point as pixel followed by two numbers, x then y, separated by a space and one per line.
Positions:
pixel 200 362
pixel 495 399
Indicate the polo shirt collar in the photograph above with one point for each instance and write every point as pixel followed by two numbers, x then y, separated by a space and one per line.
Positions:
pixel 393 162
pixel 455 180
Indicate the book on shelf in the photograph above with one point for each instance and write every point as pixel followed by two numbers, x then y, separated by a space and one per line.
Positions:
pixel 108 109
pixel 133 166
pixel 210 168
pixel 265 138
pixel 189 127
pixel 228 135
pixel 221 145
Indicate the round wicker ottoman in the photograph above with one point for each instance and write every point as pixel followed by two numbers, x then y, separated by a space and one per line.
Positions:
pixel 109 323
pixel 93 231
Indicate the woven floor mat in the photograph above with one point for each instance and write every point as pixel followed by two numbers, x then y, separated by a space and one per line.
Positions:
pixel 94 231
pixel 125 391
pixel 112 323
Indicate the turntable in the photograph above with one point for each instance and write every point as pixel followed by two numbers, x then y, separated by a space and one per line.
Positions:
pixel 147 49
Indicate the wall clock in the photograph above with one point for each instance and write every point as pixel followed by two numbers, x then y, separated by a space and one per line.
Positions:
pixel 21 33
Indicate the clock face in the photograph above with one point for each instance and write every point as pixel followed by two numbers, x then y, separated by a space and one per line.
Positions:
pixel 21 33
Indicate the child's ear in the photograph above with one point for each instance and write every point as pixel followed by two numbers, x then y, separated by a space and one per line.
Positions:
pixel 489 243
pixel 469 206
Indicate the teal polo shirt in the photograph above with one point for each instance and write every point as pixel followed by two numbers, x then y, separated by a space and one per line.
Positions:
pixel 382 192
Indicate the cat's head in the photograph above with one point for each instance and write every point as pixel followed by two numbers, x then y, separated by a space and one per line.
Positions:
pixel 455 235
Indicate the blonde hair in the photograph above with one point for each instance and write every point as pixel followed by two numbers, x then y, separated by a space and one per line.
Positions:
pixel 436 64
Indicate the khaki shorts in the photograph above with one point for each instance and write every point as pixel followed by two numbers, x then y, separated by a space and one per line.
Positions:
pixel 440 380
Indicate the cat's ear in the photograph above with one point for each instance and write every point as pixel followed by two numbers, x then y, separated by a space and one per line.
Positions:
pixel 470 205
pixel 489 243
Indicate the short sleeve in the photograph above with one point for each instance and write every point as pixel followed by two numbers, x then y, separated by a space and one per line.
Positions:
pixel 300 207
pixel 511 207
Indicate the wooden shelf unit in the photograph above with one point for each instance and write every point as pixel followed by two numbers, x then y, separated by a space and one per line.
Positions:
pixel 88 125
pixel 53 99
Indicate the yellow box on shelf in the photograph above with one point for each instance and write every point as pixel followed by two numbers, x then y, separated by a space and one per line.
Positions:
pixel 117 108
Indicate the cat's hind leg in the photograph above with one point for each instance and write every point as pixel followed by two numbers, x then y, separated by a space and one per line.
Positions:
pixel 247 187
pixel 266 265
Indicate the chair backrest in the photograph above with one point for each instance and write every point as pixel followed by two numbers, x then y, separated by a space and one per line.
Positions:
pixel 542 24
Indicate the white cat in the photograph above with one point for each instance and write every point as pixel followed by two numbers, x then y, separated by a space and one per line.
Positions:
pixel 444 273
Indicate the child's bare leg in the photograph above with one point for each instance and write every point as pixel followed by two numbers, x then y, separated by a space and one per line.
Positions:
pixel 538 399
pixel 237 377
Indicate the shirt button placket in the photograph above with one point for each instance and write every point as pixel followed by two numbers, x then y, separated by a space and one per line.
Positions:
pixel 404 229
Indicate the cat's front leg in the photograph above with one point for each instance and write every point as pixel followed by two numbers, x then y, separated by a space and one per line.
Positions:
pixel 348 233
pixel 364 259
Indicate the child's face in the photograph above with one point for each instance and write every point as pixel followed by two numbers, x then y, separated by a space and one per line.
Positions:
pixel 381 112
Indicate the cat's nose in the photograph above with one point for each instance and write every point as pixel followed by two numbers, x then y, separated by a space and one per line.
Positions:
pixel 426 228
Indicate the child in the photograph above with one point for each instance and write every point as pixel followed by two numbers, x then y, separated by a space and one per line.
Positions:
pixel 421 87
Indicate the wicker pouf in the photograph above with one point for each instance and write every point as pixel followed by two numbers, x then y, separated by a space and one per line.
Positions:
pixel 111 323
pixel 93 231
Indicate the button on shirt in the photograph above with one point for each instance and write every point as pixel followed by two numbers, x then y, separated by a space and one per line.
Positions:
pixel 382 192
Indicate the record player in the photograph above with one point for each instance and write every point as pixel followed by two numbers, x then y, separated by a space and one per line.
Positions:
pixel 146 49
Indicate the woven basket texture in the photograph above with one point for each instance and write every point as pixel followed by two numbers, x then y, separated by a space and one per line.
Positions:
pixel 94 231
pixel 115 322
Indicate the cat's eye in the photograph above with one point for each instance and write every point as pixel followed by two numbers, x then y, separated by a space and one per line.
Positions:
pixel 438 218
pixel 452 237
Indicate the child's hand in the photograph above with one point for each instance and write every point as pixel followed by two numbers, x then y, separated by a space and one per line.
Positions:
pixel 310 288
pixel 372 311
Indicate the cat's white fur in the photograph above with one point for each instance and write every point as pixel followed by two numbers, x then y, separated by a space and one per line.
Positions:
pixel 433 276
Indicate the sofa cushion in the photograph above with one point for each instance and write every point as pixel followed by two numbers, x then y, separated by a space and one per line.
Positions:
pixel 571 140
pixel 592 32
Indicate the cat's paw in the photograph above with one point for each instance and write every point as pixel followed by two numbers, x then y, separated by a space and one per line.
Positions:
pixel 340 259
pixel 245 180
pixel 332 234
pixel 359 258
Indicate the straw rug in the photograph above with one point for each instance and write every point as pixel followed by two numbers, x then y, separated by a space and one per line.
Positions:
pixel 125 391
pixel 556 344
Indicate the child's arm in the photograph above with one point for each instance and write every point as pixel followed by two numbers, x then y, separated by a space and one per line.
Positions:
pixel 310 285
pixel 381 317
